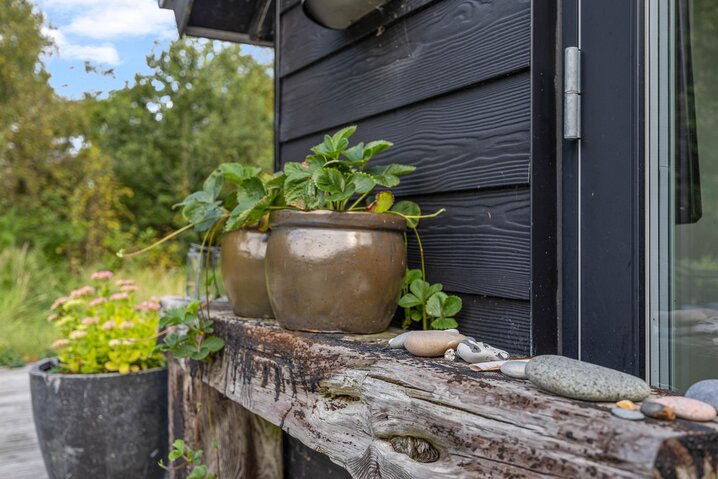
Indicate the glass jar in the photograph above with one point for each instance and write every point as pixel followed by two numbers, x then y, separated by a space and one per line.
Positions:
pixel 204 275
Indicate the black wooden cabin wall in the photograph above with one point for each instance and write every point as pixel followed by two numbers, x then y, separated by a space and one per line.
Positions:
pixel 449 82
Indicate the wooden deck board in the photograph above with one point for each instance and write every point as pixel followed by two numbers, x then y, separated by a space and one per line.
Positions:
pixel 20 456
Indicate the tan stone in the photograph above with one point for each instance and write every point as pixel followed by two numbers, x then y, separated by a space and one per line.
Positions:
pixel 686 408
pixel 432 343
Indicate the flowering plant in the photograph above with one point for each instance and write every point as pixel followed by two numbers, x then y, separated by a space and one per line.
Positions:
pixel 104 329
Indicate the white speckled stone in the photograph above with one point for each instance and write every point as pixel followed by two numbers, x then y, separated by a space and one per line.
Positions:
pixel 473 351
pixel 627 414
pixel 580 380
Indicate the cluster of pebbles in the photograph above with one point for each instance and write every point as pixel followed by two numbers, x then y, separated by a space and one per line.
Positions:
pixel 568 377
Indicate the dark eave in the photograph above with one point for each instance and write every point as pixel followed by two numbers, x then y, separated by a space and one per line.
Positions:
pixel 239 21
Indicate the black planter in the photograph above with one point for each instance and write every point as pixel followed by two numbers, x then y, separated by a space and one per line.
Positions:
pixel 100 425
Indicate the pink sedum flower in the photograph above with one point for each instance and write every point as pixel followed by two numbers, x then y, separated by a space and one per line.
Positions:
pixel 113 343
pixel 59 302
pixel 107 325
pixel 90 320
pixel 148 306
pixel 98 301
pixel 124 282
pixel 119 296
pixel 60 343
pixel 81 292
pixel 102 275
pixel 53 317
pixel 126 325
pixel 128 288
pixel 78 334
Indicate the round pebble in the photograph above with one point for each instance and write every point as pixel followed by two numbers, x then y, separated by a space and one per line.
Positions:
pixel 627 414
pixel 432 344
pixel 706 391
pixel 687 408
pixel 514 369
pixel 626 404
pixel 658 411
pixel 450 355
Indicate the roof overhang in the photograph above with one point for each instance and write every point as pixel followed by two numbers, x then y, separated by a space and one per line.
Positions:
pixel 239 21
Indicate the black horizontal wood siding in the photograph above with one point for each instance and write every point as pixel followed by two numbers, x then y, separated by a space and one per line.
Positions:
pixel 450 83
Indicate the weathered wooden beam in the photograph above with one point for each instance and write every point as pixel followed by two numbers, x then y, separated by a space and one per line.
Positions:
pixel 239 445
pixel 384 413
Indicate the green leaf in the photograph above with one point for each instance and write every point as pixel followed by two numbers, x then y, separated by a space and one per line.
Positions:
pixel 184 350
pixel 374 147
pixel 355 154
pixel 435 288
pixel 452 306
pixel 213 184
pixel 174 455
pixel 199 355
pixel 416 315
pixel 398 170
pixel 434 305
pixel 362 182
pixel 179 445
pixel 408 208
pixel 236 173
pixel 444 323
pixel 198 472
pixel 344 133
pixel 420 288
pixel 409 301
pixel 410 276
pixel 383 202
pixel 330 180
pixel 213 343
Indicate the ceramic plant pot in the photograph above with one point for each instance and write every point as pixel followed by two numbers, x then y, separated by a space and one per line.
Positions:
pixel 111 425
pixel 242 261
pixel 335 272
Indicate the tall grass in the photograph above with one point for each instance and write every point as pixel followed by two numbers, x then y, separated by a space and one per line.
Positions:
pixel 28 286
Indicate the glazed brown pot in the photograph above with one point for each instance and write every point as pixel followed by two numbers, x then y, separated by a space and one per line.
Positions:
pixel 335 272
pixel 242 255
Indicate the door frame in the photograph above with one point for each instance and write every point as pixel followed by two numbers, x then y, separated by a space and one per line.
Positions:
pixel 603 177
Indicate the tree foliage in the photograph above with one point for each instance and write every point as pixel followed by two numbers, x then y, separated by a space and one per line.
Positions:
pixel 84 178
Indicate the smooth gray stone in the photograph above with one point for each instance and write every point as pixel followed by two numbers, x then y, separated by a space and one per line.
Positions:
pixel 706 391
pixel 398 341
pixel 580 380
pixel 627 414
pixel 514 369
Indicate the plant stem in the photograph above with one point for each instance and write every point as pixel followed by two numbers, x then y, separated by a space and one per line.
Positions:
pixel 358 201
pixel 423 277
pixel 166 238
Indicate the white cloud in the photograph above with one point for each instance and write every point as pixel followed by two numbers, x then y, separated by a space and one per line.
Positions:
pixel 103 53
pixel 115 19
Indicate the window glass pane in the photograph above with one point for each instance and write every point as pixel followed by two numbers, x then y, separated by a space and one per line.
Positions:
pixel 692 273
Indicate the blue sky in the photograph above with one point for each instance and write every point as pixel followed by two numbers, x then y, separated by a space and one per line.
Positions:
pixel 114 35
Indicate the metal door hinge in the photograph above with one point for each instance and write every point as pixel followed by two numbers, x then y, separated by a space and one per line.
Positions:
pixel 572 94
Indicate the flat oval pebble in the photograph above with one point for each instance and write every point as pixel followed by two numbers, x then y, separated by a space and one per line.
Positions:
pixel 658 411
pixel 514 369
pixel 687 408
pixel 580 380
pixel 432 344
pixel 627 414
pixel 706 391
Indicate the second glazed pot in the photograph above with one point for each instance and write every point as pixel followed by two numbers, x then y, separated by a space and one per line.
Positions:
pixel 335 272
pixel 243 253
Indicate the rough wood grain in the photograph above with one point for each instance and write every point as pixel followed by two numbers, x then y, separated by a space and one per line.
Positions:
pixel 480 245
pixel 474 138
pixel 304 42
pixel 452 44
pixel 248 447
pixel 351 397
pixel 285 5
